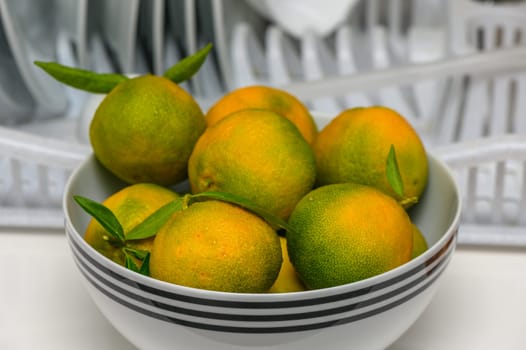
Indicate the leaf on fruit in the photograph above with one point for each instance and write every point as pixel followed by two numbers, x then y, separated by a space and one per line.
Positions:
pixel 130 264
pixel 103 215
pixel 132 255
pixel 274 221
pixel 153 223
pixel 81 78
pixel 393 173
pixel 188 66
pixel 145 266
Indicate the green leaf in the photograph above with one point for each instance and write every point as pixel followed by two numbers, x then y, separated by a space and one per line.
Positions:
pixel 130 264
pixel 135 253
pixel 132 254
pixel 152 224
pixel 145 266
pixel 103 215
pixel 393 173
pixel 82 79
pixel 272 219
pixel 188 66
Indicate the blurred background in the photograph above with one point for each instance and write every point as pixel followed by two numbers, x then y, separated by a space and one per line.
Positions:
pixel 269 42
pixel 456 69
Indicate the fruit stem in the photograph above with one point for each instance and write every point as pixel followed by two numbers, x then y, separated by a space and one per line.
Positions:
pixel 186 200
pixel 407 202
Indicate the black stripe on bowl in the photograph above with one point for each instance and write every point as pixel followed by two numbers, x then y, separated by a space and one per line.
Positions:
pixel 256 304
pixel 261 329
pixel 350 306
pixel 103 284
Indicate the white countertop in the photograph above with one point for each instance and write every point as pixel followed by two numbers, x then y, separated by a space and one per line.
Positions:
pixel 480 303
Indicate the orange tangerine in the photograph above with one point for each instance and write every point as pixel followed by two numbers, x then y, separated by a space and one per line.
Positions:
pixel 265 97
pixel 354 147
pixel 344 233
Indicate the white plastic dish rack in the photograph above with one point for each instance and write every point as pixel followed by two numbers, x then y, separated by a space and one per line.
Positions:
pixel 457 72
pixel 489 167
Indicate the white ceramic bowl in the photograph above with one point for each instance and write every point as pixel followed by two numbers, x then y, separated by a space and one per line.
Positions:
pixel 369 314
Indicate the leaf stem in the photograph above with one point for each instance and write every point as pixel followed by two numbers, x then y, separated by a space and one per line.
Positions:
pixel 245 203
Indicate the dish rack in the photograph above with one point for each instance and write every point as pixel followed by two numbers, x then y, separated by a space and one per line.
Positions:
pixel 457 72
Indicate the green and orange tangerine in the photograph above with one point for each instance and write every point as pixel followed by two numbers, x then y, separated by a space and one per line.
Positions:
pixel 145 129
pixel 219 246
pixel 265 97
pixel 343 233
pixel 354 146
pixel 256 154
pixel 131 206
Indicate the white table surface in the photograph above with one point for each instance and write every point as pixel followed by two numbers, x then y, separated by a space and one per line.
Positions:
pixel 480 303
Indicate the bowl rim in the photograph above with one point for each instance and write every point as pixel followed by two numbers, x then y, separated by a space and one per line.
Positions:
pixel 447 238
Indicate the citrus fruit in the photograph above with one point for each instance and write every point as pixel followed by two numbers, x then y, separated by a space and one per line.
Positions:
pixel 354 147
pixel 131 206
pixel 419 242
pixel 288 280
pixel 255 154
pixel 343 233
pixel 144 130
pixel 264 97
pixel 219 246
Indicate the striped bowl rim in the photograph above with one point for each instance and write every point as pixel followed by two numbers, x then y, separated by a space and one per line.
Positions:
pixel 262 316
pixel 260 313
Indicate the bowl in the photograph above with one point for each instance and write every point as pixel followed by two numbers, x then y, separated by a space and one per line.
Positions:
pixel 368 314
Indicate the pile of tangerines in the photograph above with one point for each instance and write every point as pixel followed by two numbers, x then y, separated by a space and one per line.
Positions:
pixel 273 203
